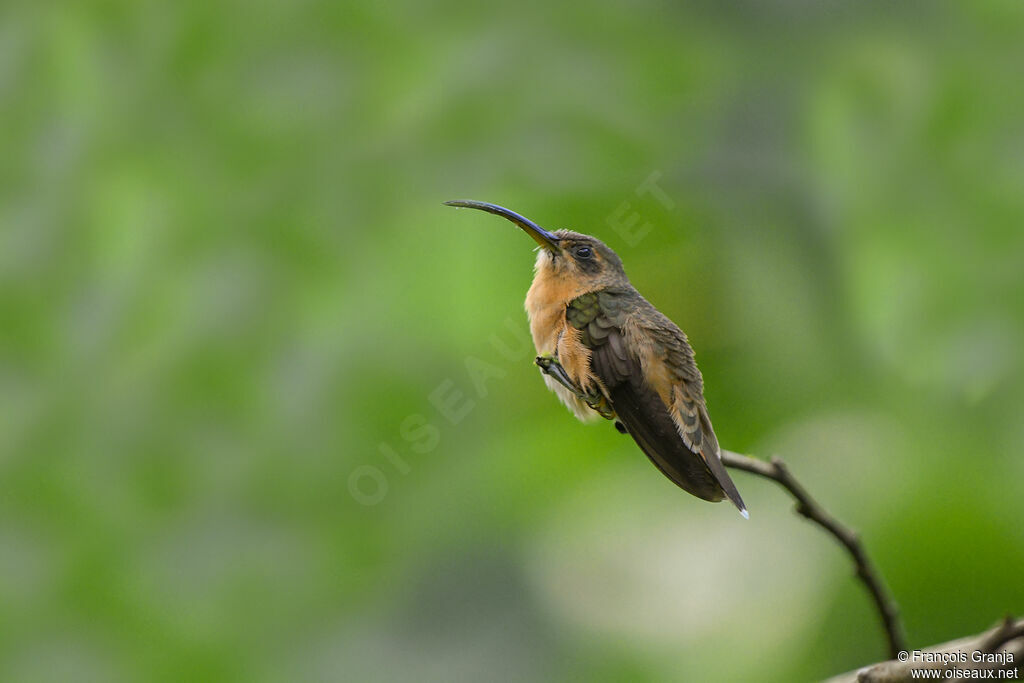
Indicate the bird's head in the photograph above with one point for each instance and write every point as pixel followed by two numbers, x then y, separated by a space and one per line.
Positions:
pixel 563 254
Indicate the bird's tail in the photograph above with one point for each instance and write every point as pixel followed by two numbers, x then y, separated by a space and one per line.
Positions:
pixel 725 481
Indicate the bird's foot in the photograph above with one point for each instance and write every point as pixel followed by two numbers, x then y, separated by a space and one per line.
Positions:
pixel 550 366
pixel 545 361
pixel 600 404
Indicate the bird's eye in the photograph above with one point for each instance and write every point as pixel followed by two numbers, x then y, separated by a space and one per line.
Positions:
pixel 583 252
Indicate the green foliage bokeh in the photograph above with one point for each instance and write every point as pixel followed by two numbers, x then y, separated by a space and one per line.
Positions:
pixel 254 421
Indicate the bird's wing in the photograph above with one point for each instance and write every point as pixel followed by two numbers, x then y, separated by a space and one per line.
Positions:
pixel 601 318
pixel 669 366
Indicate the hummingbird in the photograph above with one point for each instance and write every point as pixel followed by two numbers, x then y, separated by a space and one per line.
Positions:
pixel 607 352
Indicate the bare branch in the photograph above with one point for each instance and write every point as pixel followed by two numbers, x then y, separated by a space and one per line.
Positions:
pixel 806 506
pixel 1008 630
pixel 1003 644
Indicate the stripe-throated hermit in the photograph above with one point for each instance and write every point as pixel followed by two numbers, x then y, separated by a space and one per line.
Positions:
pixel 605 350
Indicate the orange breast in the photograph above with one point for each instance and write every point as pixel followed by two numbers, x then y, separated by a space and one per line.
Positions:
pixel 545 306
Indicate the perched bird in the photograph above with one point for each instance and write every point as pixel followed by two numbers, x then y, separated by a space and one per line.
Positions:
pixel 606 351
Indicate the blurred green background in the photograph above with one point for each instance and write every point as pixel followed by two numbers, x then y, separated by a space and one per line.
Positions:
pixel 235 321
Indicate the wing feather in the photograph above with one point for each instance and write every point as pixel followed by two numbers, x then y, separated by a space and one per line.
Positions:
pixel 672 434
pixel 685 395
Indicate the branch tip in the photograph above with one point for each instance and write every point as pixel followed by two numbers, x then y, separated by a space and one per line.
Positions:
pixel 806 506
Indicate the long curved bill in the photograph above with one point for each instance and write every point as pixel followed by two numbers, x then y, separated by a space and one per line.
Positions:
pixel 539 234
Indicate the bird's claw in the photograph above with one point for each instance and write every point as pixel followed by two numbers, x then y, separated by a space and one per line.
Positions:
pixel 545 362
pixel 550 366
pixel 599 403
